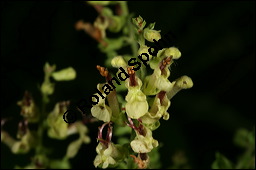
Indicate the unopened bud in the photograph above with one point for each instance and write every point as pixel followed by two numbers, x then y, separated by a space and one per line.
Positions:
pixel 139 22
pixel 183 82
pixel 151 35
pixel 144 49
pixel 118 61
pixel 64 74
pixel 172 51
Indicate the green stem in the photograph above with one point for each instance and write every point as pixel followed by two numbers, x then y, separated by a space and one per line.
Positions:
pixel 39 146
pixel 114 105
pixel 124 7
pixel 245 161
pixel 42 125
pixel 133 43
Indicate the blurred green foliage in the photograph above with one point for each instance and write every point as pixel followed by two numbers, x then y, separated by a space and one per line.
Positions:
pixel 217 41
pixel 246 140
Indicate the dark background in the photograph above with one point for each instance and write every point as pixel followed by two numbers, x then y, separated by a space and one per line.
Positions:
pixel 217 42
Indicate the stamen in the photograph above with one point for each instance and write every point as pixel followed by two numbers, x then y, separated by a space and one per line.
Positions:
pixel 166 61
pixel 161 95
pixel 99 133
pixel 22 128
pixel 100 130
pixel 91 30
pixel 133 156
pixel 98 8
pixel 118 9
pixel 140 23
pixel 131 73
pixel 143 156
pixel 63 105
pixel 139 129
pixel 109 133
pixel 104 72
pixel 27 99
pixel 108 136
pixel 4 120
pixel 130 124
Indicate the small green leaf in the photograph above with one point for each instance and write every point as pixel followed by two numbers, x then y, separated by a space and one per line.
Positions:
pixel 221 162
pixel 152 25
pixel 241 138
pixel 151 35
pixel 60 164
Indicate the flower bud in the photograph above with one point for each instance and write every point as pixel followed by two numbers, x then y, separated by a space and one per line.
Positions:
pixel 118 61
pixel 144 49
pixel 172 51
pixel 116 23
pixel 151 35
pixel 139 22
pixel 183 82
pixel 47 88
pixel 48 69
pixel 64 74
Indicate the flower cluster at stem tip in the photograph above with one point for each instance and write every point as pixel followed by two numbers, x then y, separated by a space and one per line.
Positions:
pixel 147 97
